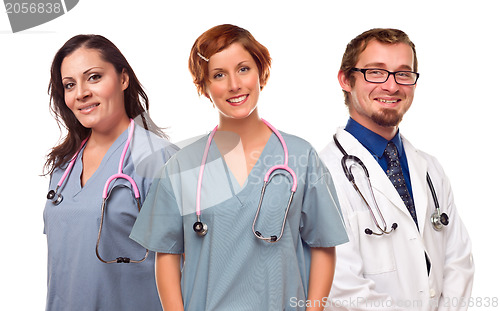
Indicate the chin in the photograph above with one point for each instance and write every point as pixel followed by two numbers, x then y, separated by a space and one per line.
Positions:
pixel 239 115
pixel 387 118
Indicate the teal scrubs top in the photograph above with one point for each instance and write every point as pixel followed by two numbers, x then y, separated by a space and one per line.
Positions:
pixel 229 268
pixel 76 279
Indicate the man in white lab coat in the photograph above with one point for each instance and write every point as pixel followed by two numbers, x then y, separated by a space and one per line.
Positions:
pixel 397 259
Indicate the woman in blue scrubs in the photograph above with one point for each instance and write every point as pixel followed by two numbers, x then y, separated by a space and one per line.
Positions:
pixel 95 95
pixel 231 267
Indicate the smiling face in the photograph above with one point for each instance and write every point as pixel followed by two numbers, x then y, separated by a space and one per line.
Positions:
pixel 93 90
pixel 380 107
pixel 233 84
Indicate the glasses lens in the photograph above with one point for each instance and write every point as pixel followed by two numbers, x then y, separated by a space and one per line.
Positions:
pixel 405 77
pixel 376 75
pixel 381 75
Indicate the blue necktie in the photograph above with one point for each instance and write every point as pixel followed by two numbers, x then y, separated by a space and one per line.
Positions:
pixel 395 174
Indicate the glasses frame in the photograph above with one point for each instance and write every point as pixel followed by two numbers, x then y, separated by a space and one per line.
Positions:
pixel 389 74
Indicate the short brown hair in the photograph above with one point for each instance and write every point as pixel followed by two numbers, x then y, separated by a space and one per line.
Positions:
pixel 219 38
pixel 358 45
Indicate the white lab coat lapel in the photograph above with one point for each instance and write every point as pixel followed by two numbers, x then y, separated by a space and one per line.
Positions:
pixel 379 180
pixel 418 171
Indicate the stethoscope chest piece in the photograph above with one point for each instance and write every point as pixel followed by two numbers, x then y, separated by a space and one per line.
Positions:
pixel 200 228
pixel 439 220
pixel 55 197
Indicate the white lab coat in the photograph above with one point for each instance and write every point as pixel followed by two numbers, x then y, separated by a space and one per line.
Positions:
pixel 389 272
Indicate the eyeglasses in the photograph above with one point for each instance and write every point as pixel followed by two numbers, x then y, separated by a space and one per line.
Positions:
pixel 375 75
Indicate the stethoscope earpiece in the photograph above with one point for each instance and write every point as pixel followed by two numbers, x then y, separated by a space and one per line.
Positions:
pixel 200 228
pixel 369 231
pixel 271 239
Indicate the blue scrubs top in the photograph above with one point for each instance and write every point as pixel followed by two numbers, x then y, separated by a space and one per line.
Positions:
pixel 229 268
pixel 76 279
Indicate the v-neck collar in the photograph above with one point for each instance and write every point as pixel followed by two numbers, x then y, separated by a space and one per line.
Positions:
pixel 77 169
pixel 256 174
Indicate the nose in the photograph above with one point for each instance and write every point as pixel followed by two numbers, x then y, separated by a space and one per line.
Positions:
pixel 391 85
pixel 234 83
pixel 82 92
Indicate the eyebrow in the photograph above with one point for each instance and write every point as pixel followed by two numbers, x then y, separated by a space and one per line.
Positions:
pixel 85 72
pixel 238 65
pixel 382 65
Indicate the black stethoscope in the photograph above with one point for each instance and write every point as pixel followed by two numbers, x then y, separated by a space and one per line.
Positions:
pixel 56 197
pixel 438 219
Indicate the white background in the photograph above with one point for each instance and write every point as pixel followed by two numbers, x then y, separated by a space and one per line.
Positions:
pixel 453 116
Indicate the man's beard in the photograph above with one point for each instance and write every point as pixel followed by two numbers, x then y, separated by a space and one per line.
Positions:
pixel 387 117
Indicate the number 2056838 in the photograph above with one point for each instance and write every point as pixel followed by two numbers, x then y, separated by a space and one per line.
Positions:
pixel 33 8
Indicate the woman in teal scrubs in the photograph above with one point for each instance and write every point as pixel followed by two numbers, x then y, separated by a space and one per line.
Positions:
pixel 95 95
pixel 231 268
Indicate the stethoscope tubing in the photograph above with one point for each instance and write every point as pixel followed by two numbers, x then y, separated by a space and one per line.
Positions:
pixel 120 173
pixel 57 197
pixel 201 228
pixel 267 176
pixel 438 219
pixel 118 259
pixel 202 169
pixel 54 195
pixel 71 163
pixel 350 177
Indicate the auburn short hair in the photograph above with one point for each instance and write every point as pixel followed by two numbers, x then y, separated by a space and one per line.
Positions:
pixel 217 39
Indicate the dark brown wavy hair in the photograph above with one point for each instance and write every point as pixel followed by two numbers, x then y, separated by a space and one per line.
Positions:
pixel 136 100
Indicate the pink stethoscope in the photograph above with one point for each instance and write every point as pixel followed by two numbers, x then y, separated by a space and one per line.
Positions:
pixel 57 198
pixel 202 228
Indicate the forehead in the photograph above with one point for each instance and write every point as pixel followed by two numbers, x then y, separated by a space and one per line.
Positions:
pixel 232 56
pixel 81 60
pixel 397 56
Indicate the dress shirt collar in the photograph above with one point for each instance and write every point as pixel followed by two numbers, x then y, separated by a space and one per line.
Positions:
pixel 372 141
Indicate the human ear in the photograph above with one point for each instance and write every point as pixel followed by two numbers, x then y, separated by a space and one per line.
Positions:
pixel 124 79
pixel 344 81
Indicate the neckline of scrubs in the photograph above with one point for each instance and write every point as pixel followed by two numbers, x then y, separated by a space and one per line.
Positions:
pixel 78 167
pixel 256 175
